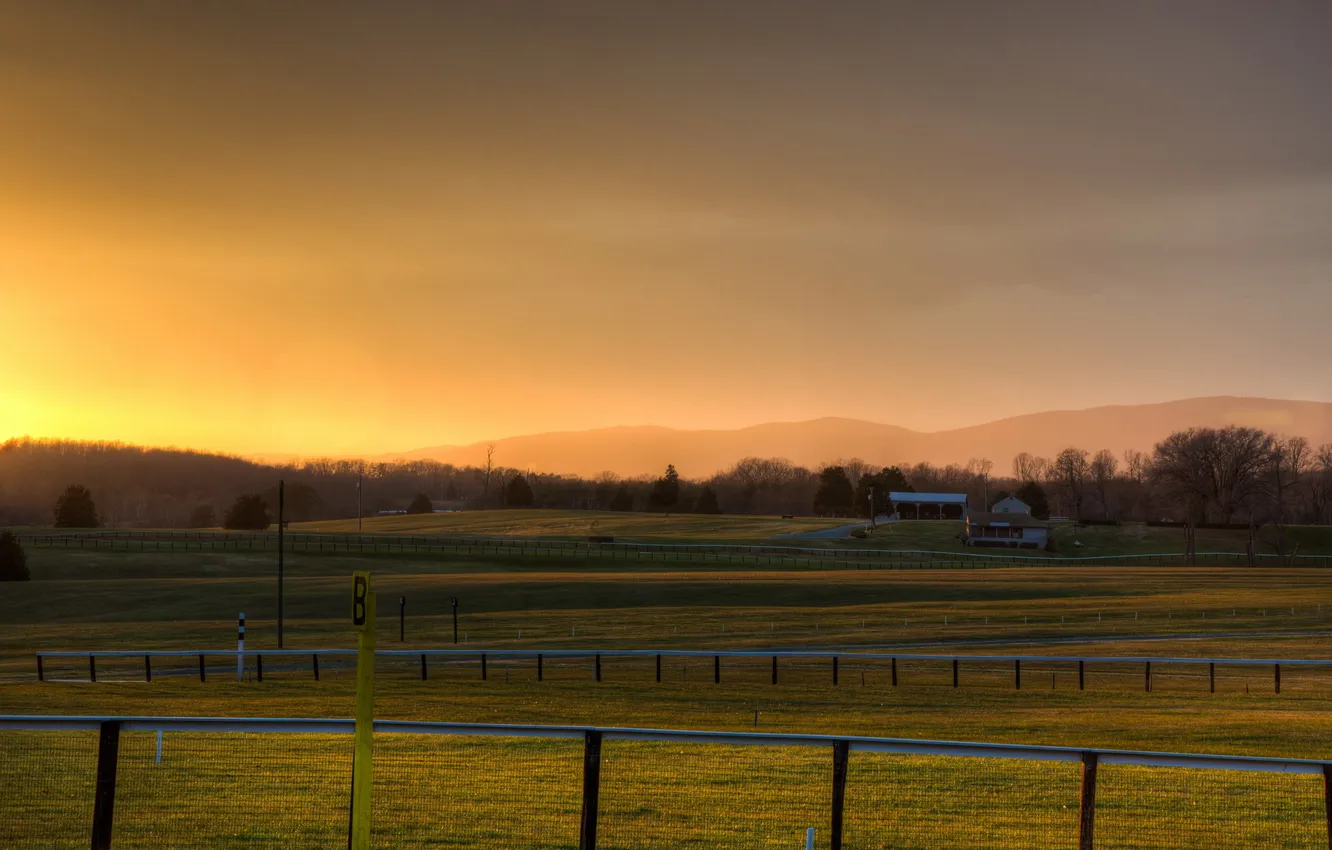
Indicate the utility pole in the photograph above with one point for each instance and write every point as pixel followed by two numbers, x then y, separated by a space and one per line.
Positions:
pixel 402 618
pixel 871 497
pixel 359 478
pixel 455 619
pixel 281 495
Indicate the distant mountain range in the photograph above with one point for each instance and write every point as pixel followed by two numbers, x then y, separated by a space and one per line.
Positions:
pixel 645 450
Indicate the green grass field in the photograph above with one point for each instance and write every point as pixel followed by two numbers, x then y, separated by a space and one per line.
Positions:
pixel 271 793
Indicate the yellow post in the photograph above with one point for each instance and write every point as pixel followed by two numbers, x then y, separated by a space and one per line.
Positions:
pixel 363 617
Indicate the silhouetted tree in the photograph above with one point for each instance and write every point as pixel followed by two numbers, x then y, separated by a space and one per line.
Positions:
pixel 835 496
pixel 203 517
pixel 517 493
pixel 248 513
pixel 75 508
pixel 13 562
pixel 1034 496
pixel 420 504
pixel 623 500
pixel 665 490
pixel 707 502
pixel 451 492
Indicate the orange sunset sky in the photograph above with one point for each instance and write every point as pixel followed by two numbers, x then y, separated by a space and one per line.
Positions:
pixel 360 228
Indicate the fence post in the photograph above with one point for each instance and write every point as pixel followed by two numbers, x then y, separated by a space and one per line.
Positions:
pixel 841 751
pixel 1147 677
pixel 1211 676
pixel 423 667
pixel 658 667
pixel 955 672
pixel 1277 681
pixel 598 666
pixel 774 669
pixel 834 669
pixel 587 831
pixel 1082 681
pixel 41 674
pixel 147 668
pixel 483 666
pixel 92 667
pixel 104 799
pixel 259 665
pixel 539 670
pixel 203 673
pixel 314 664
pixel 894 671
pixel 1017 674
pixel 1327 801
pixel 1087 822
pixel 716 669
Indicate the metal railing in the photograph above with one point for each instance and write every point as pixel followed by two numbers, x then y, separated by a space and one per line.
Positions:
pixel 719 553
pixel 835 659
pixel 846 755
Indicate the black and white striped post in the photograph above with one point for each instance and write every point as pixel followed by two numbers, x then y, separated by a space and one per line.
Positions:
pixel 240 648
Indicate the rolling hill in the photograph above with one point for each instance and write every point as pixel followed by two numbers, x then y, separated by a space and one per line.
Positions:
pixel 645 450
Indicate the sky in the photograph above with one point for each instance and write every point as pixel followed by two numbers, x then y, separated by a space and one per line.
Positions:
pixel 340 228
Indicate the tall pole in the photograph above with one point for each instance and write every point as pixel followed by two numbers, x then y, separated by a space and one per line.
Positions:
pixel 402 618
pixel 359 478
pixel 455 619
pixel 281 495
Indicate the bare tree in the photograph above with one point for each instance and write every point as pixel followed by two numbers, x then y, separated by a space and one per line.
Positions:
pixel 1070 472
pixel 1320 485
pixel 980 467
pixel 490 465
pixel 1137 470
pixel 1025 467
pixel 1290 460
pixel 1103 469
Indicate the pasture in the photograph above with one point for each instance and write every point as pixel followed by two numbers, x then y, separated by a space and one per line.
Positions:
pixel 83 600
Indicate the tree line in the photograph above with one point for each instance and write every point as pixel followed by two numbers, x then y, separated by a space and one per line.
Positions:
pixel 1195 477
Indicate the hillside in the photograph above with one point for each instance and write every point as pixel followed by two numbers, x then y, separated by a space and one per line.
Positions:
pixel 646 450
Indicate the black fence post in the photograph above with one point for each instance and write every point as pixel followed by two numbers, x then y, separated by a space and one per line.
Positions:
pixel 716 669
pixel 147 668
pixel 1211 676
pixel 539 670
pixel 483 666
pixel 1327 801
pixel 841 751
pixel 314 665
pixel 92 667
pixel 1147 677
pixel 955 672
pixel 1087 821
pixel 41 674
pixel 658 669
pixel 203 671
pixel 894 672
pixel 598 664
pixel 1017 674
pixel 104 799
pixel 259 666
pixel 834 669
pixel 774 669
pixel 1276 669
pixel 587 830
pixel 1082 679
pixel 424 674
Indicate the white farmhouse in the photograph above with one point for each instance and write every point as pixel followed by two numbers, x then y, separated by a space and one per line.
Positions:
pixel 1013 531
pixel 1011 505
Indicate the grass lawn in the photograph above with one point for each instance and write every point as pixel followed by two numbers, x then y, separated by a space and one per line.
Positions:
pixel 257 791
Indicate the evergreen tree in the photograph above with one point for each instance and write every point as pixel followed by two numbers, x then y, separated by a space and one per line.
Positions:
pixel 75 508
pixel 420 504
pixel 707 502
pixel 665 490
pixel 517 493
pixel 248 513
pixel 835 496
pixel 623 500
pixel 1033 495
pixel 13 562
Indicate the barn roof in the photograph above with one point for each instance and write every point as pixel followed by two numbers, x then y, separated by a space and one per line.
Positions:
pixel 930 498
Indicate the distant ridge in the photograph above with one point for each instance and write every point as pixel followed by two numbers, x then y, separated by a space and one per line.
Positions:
pixel 645 450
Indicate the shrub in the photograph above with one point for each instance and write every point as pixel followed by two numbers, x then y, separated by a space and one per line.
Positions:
pixel 13 562
pixel 249 513
pixel 421 504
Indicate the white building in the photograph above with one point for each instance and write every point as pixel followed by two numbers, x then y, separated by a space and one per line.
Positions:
pixel 1014 531
pixel 928 505
pixel 1011 505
